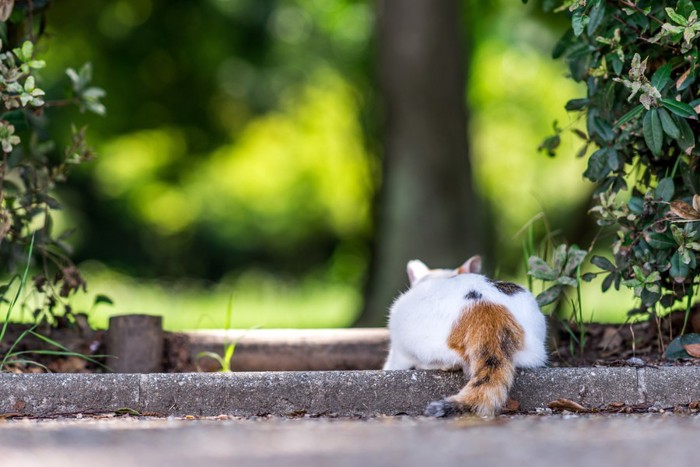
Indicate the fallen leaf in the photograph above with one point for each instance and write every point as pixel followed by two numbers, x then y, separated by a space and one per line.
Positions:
pixel 692 349
pixel 566 404
pixel 511 406
pixel 70 364
pixel 611 340
pixel 696 202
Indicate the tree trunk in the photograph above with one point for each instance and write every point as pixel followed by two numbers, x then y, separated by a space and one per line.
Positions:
pixel 427 208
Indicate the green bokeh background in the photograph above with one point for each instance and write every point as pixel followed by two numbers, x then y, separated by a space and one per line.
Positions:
pixel 240 153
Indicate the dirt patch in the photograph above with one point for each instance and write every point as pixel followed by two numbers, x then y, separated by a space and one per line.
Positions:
pixel 620 344
pixel 78 338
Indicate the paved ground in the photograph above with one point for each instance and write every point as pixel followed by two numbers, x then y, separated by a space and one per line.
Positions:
pixel 563 440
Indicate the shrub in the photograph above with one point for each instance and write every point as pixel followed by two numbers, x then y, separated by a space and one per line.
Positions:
pixel 30 166
pixel 640 64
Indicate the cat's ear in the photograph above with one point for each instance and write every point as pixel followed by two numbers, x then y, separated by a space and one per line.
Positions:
pixel 471 266
pixel 416 269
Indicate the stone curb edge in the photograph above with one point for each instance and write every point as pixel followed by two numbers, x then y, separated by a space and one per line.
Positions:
pixel 343 393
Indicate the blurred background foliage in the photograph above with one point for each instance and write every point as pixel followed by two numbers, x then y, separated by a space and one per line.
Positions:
pixel 240 156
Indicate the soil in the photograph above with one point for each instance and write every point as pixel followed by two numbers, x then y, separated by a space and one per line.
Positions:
pixel 637 344
pixel 621 344
pixel 81 339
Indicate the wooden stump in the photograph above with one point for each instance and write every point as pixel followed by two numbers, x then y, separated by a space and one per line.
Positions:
pixel 135 344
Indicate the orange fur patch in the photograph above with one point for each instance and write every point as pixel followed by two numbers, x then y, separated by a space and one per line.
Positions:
pixel 487 336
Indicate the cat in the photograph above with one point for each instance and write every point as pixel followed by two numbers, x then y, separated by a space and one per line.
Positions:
pixel 452 319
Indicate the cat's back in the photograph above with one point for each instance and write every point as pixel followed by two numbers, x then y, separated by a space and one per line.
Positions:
pixel 432 307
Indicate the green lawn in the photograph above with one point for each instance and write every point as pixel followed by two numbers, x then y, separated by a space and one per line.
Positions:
pixel 258 300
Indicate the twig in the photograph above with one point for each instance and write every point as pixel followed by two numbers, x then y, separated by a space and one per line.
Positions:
pixel 639 10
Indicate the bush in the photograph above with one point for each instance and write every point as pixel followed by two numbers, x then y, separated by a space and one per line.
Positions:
pixel 30 167
pixel 640 64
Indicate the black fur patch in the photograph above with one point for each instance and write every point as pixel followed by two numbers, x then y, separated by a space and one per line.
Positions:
pixel 508 343
pixel 493 362
pixel 507 288
pixel 481 381
pixel 473 295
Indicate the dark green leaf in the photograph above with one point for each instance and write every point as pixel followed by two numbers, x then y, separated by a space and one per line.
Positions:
pixel 661 76
pixel 562 46
pixel 577 104
pixel 608 281
pixel 636 205
pixel 550 145
pixel 669 126
pixel 102 299
pixel 16 118
pixel 679 270
pixel 667 300
pixel 596 16
pixel 665 189
pixel 550 295
pixel 602 128
pixel 649 298
pixel 603 263
pixel 616 63
pixel 679 108
pixel 659 241
pixel 578 22
pixel 686 140
pixel 597 166
pixel 630 115
pixel 653 133
pixel 614 162
pixel 675 350
pixel 685 7
pixel 588 277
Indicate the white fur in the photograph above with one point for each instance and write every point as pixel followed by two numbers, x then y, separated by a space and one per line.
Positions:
pixel 422 318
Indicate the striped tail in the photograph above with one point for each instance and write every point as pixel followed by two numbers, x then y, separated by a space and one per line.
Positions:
pixel 487 336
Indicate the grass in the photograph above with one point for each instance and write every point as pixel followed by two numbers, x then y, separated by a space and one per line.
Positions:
pixel 259 300
pixel 13 357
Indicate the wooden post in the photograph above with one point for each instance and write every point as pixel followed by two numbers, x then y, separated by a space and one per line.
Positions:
pixel 135 344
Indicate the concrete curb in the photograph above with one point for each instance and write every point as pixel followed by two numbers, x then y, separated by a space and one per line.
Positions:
pixel 344 393
pixel 293 349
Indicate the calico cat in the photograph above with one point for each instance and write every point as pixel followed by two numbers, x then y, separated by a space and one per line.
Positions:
pixel 451 319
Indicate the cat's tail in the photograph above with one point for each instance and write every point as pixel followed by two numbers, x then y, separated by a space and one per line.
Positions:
pixel 487 336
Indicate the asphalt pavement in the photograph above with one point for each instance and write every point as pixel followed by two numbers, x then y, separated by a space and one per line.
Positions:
pixel 550 440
